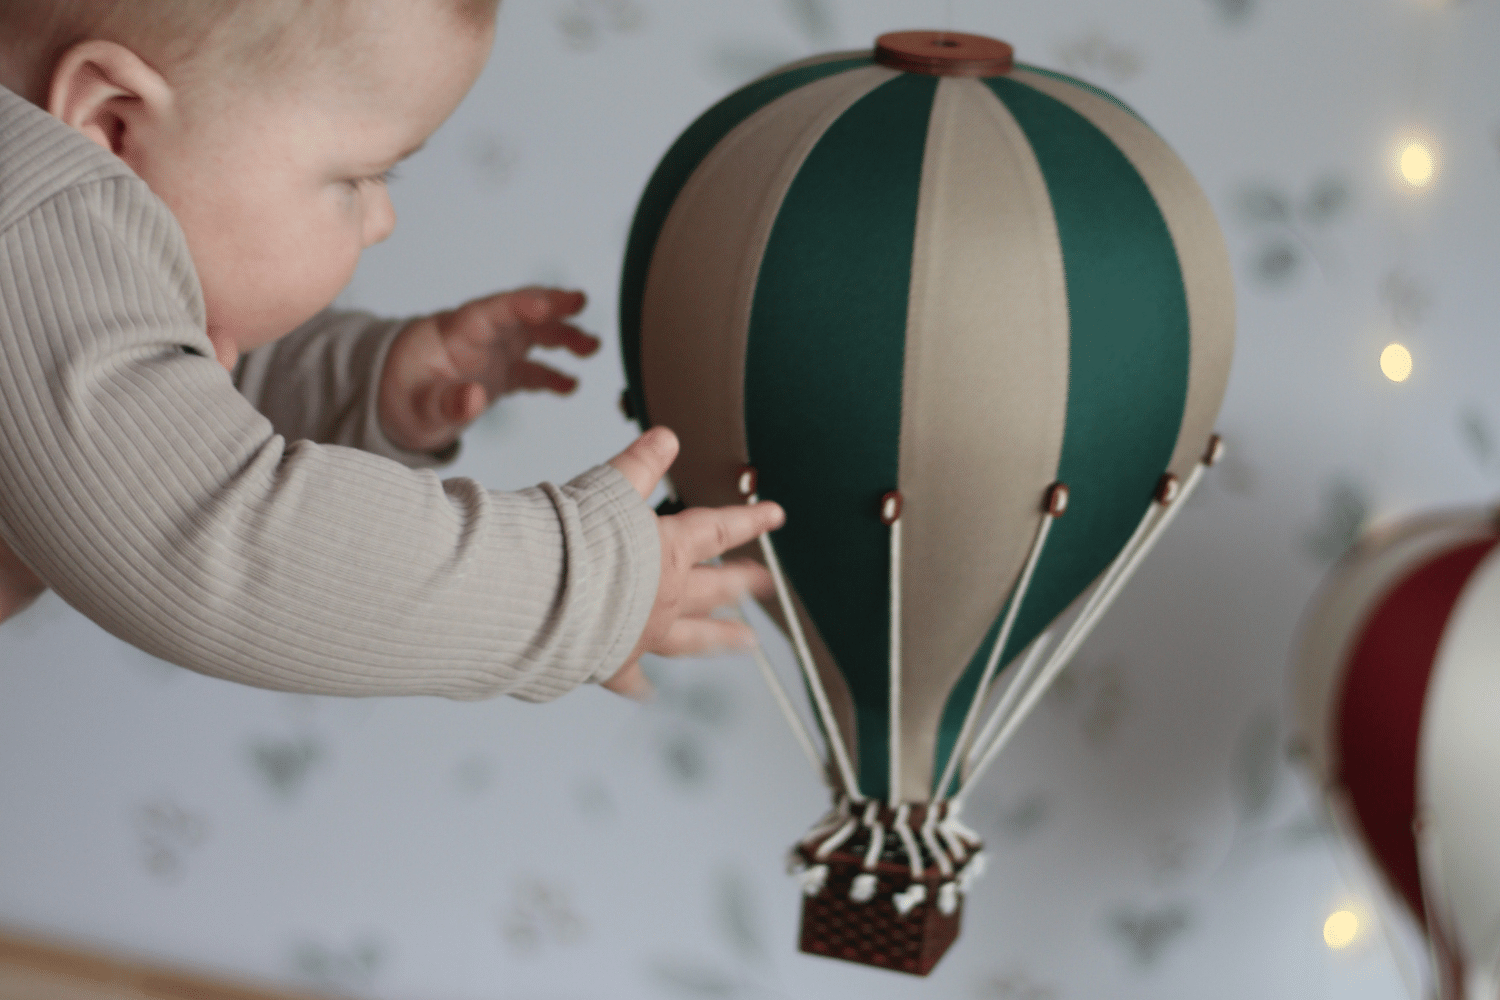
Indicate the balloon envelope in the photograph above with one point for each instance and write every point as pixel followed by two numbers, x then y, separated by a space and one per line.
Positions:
pixel 1398 676
pixel 860 280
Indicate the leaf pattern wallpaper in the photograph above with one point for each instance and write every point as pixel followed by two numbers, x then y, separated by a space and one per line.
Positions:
pixel 1152 834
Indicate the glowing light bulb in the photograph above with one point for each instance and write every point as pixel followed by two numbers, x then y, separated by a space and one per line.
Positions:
pixel 1417 164
pixel 1340 929
pixel 1395 362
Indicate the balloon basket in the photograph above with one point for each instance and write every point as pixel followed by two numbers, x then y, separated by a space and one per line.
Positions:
pixel 863 899
pixel 874 932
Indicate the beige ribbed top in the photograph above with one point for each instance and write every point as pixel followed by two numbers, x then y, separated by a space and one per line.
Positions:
pixel 262 529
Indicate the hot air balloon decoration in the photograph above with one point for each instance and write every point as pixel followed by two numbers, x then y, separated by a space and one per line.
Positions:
pixel 1398 683
pixel 969 322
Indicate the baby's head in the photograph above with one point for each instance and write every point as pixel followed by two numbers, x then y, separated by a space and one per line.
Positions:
pixel 268 127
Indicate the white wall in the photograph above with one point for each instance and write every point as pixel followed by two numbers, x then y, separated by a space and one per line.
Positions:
pixel 1150 839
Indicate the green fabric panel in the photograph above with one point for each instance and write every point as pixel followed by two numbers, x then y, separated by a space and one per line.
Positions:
pixel 666 184
pixel 823 382
pixel 1128 364
pixel 1083 85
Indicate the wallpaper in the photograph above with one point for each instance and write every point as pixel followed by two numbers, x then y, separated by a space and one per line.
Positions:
pixel 1150 832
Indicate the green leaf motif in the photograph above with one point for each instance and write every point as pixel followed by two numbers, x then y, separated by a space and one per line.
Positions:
pixel 1263 203
pixel 1017 985
pixel 1277 262
pixel 353 966
pixel 1346 508
pixel 1234 11
pixel 1329 198
pixel 737 917
pixel 814 19
pixel 1257 765
pixel 692 978
pixel 285 764
pixel 1474 430
pixel 1147 933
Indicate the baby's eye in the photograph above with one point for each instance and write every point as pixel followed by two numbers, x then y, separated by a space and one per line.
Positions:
pixel 382 178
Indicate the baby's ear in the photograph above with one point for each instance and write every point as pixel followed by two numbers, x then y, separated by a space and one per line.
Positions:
pixel 106 91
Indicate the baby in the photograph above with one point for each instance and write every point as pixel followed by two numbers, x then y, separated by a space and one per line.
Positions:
pixel 204 460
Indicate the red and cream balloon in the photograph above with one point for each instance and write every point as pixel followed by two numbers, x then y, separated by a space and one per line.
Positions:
pixel 1398 703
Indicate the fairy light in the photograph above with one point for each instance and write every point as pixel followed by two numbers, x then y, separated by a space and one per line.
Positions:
pixel 1417 163
pixel 1395 362
pixel 1340 929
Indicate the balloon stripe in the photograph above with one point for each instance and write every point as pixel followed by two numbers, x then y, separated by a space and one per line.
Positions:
pixel 984 396
pixel 1206 273
pixel 832 298
pixel 1458 797
pixel 1129 347
pixel 1023 70
pixel 1380 708
pixel 1343 603
pixel 697 305
pixel 670 176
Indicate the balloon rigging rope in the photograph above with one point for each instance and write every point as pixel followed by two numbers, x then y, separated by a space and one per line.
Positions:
pixel 895 640
pixel 809 668
pixel 1158 516
pixel 1013 691
pixel 981 691
pixel 784 702
pixel 1022 682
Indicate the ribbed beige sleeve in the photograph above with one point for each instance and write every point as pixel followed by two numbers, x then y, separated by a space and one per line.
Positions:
pixel 321 382
pixel 154 498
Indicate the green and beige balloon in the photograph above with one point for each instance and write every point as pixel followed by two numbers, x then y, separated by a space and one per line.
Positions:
pixel 871 276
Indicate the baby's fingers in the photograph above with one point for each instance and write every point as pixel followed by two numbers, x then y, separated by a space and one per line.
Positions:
pixel 531 376
pixel 705 637
pixel 710 587
pixel 710 532
pixel 631 682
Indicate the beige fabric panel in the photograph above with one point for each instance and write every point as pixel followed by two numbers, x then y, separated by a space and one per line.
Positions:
pixel 696 307
pixel 695 312
pixel 1342 605
pixel 1206 272
pixel 1458 769
pixel 984 397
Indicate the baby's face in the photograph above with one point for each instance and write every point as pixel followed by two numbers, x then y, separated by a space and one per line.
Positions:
pixel 279 189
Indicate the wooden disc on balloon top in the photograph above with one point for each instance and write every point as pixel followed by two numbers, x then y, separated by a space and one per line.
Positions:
pixel 944 53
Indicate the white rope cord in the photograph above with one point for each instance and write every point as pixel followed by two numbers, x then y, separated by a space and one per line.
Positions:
pixel 831 820
pixel 981 691
pixel 784 702
pixel 903 830
pixel 929 837
pixel 956 846
pixel 809 668
pixel 1079 630
pixel 877 837
pixel 830 845
pixel 1018 684
pixel 895 640
pixel 1023 682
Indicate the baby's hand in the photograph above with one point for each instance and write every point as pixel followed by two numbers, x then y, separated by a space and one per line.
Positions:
pixel 443 371
pixel 680 622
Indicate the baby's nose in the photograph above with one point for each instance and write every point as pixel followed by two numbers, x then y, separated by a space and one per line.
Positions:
pixel 380 218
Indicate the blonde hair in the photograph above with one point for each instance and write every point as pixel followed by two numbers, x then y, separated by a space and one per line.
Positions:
pixel 179 34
